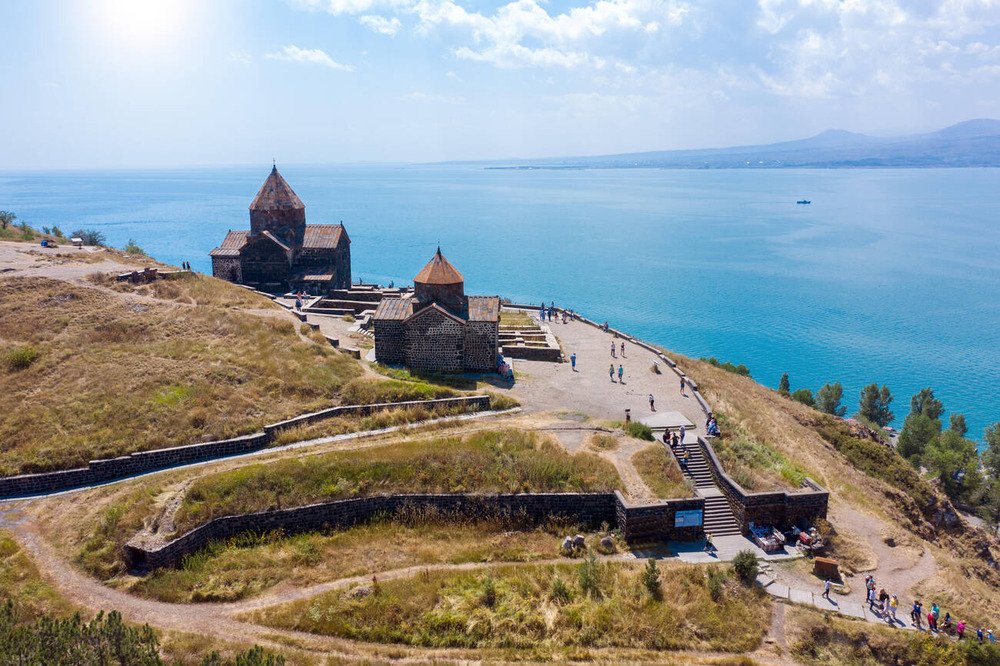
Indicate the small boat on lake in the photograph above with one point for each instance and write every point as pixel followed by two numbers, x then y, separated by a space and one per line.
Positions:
pixel 803 201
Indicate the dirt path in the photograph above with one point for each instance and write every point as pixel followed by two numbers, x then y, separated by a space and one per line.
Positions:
pixel 219 621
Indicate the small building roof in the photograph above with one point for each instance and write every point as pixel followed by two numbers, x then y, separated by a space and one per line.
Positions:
pixel 396 309
pixel 435 307
pixel 439 271
pixel 276 194
pixel 484 308
pixel 324 236
pixel 231 244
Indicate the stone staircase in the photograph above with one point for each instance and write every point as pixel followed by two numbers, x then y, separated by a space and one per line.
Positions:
pixel 719 519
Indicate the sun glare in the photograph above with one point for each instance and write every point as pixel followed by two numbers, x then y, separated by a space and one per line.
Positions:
pixel 145 22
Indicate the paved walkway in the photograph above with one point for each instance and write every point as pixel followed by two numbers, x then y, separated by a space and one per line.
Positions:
pixel 545 386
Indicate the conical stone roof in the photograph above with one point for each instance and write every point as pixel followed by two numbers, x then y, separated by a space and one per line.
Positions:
pixel 439 271
pixel 276 194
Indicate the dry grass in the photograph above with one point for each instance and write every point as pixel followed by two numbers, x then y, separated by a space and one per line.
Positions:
pixel 659 471
pixel 115 376
pixel 194 289
pixel 487 461
pixel 516 319
pixel 600 441
pixel 21 582
pixel 523 608
pixel 383 419
pixel 816 638
pixel 249 564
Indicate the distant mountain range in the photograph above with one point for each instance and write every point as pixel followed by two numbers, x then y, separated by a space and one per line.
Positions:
pixel 973 143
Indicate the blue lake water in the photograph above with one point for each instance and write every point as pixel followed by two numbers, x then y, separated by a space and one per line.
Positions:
pixel 890 276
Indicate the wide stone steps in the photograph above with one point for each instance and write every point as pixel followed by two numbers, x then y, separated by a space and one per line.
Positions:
pixel 719 518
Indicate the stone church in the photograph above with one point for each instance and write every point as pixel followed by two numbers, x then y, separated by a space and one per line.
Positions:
pixel 438 328
pixel 281 251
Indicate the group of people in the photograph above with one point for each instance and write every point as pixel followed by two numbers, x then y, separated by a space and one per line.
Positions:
pixel 549 313
pixel 675 440
pixel 712 426
pixel 886 605
pixel 300 296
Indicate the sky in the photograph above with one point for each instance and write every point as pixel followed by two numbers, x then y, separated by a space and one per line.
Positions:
pixel 163 83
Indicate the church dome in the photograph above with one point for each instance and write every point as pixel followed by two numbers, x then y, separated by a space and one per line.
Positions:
pixel 276 194
pixel 439 271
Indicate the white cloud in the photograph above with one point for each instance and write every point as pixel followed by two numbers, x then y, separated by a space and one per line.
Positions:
pixel 521 33
pixel 419 96
pixel 293 53
pixel 240 57
pixel 381 24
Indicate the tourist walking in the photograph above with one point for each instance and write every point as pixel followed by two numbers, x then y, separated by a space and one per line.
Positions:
pixel 871 599
pixel 623 349
pixel 709 546
pixel 826 589
pixel 652 403
pixel 979 634
pixel 613 349
pixel 680 436
pixel 611 372
pixel 990 637
pixel 683 384
pixel 931 624
pixel 893 605
pixel 883 601
pixel 936 610
pixel 960 630
pixel 572 361
pixel 916 613
pixel 621 374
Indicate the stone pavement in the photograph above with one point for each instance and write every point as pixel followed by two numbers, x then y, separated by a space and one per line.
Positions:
pixel 844 607
pixel 555 387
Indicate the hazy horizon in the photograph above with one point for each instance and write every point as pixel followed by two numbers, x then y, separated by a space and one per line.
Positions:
pixel 118 84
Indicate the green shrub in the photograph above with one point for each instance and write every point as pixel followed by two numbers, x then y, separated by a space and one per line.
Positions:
pixel 715 580
pixel 131 247
pixel 745 566
pixel 651 578
pixel 560 592
pixel 89 236
pixel 366 391
pixel 489 592
pixel 589 576
pixel 639 431
pixel 805 396
pixel 727 366
pixel 20 357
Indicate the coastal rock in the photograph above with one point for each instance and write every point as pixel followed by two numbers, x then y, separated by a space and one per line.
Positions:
pixel 579 541
pixel 607 544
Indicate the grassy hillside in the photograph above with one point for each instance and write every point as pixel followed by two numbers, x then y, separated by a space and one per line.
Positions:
pixel 544 609
pixel 90 373
pixel 489 461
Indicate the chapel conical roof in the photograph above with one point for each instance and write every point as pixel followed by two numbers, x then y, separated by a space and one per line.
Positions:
pixel 439 271
pixel 276 194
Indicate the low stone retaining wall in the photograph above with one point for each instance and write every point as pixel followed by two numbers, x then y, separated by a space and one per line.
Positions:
pixel 782 509
pixel 111 469
pixel 528 353
pixel 637 523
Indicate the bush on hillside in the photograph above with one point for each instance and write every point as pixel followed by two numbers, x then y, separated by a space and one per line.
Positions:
pixel 639 430
pixel 728 366
pixel 745 566
pixel 133 248
pixel 20 357
pixel 805 396
pixel 89 236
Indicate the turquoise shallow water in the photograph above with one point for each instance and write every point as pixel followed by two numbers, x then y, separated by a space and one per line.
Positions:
pixel 890 275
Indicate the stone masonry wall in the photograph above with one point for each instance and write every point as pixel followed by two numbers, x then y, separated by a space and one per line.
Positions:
pixel 102 471
pixel 227 268
pixel 481 345
pixel 390 341
pixel 434 343
pixel 637 523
